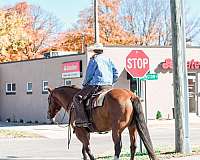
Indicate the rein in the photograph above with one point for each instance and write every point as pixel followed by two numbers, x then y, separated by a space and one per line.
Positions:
pixel 58 123
pixel 69 107
pixel 68 125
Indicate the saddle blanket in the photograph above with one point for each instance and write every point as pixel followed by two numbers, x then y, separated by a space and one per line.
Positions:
pixel 98 102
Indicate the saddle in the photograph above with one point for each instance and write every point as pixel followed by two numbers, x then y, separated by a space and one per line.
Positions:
pixel 94 101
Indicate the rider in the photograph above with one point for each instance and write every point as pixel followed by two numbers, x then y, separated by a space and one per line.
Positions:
pixel 101 73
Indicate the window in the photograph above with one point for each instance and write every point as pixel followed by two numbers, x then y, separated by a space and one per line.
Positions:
pixel 67 82
pixel 10 88
pixel 44 87
pixel 29 88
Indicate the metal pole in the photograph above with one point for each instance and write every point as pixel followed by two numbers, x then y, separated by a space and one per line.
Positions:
pixel 145 99
pixel 96 22
pixel 180 81
pixel 83 43
pixel 139 94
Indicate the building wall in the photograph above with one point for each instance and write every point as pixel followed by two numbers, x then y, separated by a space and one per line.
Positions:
pixel 159 93
pixel 31 107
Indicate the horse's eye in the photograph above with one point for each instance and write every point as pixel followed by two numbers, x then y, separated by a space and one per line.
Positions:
pixel 57 110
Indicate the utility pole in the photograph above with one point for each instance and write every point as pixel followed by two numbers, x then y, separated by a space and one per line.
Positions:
pixel 180 81
pixel 96 22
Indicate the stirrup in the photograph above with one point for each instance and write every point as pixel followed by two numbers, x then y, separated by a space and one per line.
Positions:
pixel 80 97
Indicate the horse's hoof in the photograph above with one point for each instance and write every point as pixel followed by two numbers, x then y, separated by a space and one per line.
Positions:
pixel 116 158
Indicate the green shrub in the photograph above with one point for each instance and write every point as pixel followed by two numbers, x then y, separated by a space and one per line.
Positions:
pixel 36 122
pixel 29 122
pixel 8 120
pixel 158 115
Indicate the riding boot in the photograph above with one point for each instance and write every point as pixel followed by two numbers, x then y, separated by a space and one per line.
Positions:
pixel 81 117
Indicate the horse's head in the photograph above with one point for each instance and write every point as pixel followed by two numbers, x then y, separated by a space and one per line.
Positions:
pixel 60 97
pixel 54 105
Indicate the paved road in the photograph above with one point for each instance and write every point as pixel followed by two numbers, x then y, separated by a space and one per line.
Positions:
pixel 54 146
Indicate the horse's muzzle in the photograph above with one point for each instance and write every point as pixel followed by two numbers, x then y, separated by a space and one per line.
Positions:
pixel 48 116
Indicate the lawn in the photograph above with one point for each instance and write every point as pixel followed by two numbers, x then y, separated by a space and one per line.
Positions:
pixel 6 133
pixel 163 153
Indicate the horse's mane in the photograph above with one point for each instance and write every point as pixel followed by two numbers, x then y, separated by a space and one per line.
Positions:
pixel 62 88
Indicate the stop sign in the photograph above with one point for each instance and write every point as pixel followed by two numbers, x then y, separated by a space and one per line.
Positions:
pixel 137 63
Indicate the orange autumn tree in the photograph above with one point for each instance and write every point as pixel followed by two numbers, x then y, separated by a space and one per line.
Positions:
pixel 25 30
pixel 111 32
pixel 12 37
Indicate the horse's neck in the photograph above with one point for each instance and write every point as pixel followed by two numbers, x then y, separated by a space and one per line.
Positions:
pixel 66 98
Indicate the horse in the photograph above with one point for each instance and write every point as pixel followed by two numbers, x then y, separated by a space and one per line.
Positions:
pixel 121 109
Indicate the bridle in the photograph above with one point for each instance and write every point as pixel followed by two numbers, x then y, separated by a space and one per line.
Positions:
pixel 55 99
pixel 69 107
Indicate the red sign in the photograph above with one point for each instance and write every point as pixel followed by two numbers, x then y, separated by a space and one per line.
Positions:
pixel 137 63
pixel 71 69
pixel 193 65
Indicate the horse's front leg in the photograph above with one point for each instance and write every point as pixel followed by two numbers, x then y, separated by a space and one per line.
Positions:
pixel 88 151
pixel 87 147
pixel 84 153
pixel 83 135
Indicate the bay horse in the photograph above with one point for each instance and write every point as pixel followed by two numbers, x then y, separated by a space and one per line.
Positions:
pixel 121 109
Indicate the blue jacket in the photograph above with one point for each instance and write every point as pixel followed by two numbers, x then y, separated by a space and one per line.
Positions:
pixel 100 71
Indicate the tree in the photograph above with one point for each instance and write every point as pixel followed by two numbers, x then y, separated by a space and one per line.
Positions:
pixel 26 30
pixel 150 20
pixel 111 32
pixel 43 29
pixel 12 37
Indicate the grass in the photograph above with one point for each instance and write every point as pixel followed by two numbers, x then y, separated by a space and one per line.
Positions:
pixel 163 153
pixel 6 133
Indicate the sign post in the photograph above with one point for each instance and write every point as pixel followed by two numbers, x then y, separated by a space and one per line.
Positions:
pixel 137 65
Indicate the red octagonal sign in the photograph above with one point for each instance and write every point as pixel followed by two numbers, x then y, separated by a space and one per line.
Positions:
pixel 137 63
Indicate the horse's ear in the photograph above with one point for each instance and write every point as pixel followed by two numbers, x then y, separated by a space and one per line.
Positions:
pixel 49 89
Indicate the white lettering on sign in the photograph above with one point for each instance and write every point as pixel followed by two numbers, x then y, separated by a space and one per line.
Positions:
pixel 139 63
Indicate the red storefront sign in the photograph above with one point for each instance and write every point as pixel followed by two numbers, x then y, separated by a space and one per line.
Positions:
pixel 192 64
pixel 71 69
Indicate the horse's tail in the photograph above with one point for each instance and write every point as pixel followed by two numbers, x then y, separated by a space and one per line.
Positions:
pixel 142 127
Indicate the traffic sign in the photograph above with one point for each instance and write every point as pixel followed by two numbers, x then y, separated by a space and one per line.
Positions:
pixel 150 76
pixel 137 63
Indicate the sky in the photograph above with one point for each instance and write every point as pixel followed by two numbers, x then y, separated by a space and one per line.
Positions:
pixel 68 10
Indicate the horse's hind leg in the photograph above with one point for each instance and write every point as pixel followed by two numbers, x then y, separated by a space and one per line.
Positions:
pixel 117 142
pixel 132 134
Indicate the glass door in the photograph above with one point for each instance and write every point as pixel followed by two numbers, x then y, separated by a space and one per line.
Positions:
pixel 192 90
